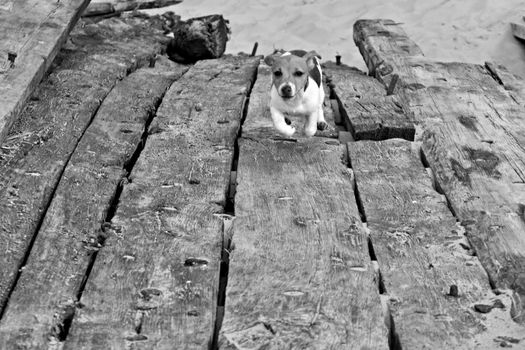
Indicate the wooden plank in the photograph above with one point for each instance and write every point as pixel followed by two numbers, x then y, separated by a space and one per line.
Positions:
pixel 468 95
pixel 485 190
pixel 513 84
pixel 299 273
pixel 518 30
pixel 31 34
pixel 74 225
pixel 430 279
pixel 474 140
pixel 155 282
pixel 98 8
pixel 368 113
pixel 42 140
pixel 466 92
pixel 384 46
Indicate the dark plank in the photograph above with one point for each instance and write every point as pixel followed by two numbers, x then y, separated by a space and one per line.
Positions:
pixel 74 226
pixel 155 282
pixel 474 140
pixel 421 253
pixel 367 112
pixel 299 274
pixel 31 34
pixel 42 140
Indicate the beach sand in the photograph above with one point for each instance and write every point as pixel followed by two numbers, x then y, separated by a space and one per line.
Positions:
pixel 468 31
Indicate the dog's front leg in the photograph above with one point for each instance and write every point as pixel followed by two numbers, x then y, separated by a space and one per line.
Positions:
pixel 321 122
pixel 280 123
pixel 311 124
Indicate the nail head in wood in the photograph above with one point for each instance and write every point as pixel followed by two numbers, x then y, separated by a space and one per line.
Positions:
pixel 453 292
pixel 11 57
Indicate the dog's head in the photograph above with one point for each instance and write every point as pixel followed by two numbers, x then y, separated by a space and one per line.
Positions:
pixel 290 71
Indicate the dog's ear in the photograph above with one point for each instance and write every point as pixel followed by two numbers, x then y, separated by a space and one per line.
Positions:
pixel 270 59
pixel 309 57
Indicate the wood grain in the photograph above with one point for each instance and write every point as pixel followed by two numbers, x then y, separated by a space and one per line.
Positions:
pixel 98 8
pixel 43 302
pixel 384 46
pixel 474 140
pixel 31 34
pixel 155 282
pixel 368 113
pixel 33 157
pixel 514 85
pixel 485 190
pixel 300 273
pixel 420 250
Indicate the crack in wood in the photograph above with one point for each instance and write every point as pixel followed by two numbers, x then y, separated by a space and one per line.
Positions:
pixel 112 209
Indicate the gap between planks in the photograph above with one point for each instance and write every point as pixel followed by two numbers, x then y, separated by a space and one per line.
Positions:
pixel 28 184
pixel 120 136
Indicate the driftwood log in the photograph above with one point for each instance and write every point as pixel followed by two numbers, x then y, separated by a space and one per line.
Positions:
pixel 199 38
pixel 115 7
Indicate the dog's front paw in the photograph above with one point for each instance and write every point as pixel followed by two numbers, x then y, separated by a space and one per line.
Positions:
pixel 288 132
pixel 322 126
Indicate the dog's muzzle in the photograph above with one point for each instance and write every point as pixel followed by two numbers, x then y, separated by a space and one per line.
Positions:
pixel 286 91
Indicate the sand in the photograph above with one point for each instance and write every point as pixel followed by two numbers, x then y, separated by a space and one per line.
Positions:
pixel 469 31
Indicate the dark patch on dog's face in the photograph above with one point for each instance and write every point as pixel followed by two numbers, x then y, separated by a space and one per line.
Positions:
pixel 289 75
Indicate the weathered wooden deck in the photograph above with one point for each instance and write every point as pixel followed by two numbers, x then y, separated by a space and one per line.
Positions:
pixel 151 205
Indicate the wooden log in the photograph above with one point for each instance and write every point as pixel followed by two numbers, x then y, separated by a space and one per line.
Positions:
pixel 470 90
pixel 474 140
pixel 31 34
pixel 299 273
pixel 518 30
pixel 34 155
pixel 99 8
pixel 199 38
pixel 384 46
pixel 430 277
pixel 155 282
pixel 366 110
pixel 75 223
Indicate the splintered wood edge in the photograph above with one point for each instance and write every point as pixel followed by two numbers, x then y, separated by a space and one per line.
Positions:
pixel 24 84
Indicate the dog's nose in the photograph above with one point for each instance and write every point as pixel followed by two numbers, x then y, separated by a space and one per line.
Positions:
pixel 286 90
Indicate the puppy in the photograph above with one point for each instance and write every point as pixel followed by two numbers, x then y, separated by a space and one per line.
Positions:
pixel 297 89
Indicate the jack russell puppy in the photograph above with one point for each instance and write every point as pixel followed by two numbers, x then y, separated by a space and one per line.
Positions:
pixel 297 89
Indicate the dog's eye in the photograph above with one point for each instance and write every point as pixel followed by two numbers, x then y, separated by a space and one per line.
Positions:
pixel 278 73
pixel 298 74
